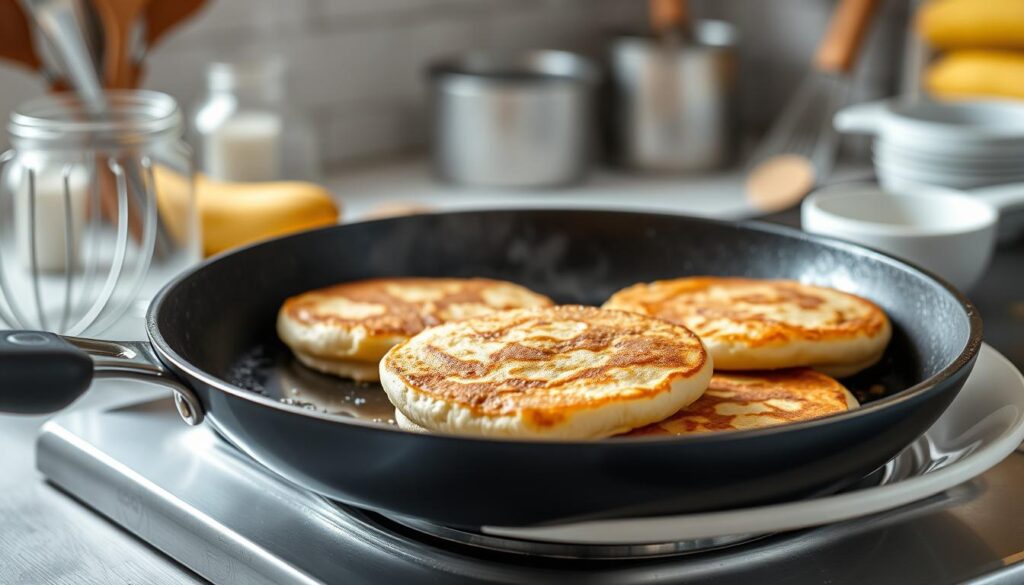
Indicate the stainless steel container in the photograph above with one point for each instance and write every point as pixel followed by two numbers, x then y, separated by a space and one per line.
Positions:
pixel 522 120
pixel 675 102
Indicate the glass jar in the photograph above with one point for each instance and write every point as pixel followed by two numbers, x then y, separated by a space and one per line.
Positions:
pixel 97 212
pixel 245 130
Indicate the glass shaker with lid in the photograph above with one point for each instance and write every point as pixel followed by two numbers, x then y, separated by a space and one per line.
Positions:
pixel 245 129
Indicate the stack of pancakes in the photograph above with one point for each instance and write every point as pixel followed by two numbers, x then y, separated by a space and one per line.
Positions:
pixel 490 358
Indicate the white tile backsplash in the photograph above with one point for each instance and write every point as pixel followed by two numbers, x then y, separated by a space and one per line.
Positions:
pixel 331 9
pixel 370 131
pixel 339 70
pixel 432 39
pixel 246 17
pixel 357 66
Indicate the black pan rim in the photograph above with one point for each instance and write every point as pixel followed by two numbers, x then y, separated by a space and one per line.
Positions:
pixel 967 354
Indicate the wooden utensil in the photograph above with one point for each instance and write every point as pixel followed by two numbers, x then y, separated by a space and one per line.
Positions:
pixel 841 44
pixel 670 18
pixel 118 18
pixel 799 150
pixel 16 43
pixel 160 18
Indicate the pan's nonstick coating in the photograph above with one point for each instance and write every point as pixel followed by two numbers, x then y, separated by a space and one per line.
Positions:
pixel 216 328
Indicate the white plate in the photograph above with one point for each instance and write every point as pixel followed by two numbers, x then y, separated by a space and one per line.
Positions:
pixel 964 159
pixel 983 425
pixel 901 162
pixel 891 176
pixel 906 168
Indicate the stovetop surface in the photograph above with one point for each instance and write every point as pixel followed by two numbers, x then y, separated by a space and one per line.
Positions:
pixel 47 537
pixel 198 500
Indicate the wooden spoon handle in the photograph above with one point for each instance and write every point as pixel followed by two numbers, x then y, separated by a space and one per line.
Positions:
pixel 839 47
pixel 668 16
pixel 118 17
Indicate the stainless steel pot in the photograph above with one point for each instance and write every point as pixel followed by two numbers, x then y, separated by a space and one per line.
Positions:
pixel 675 102
pixel 521 120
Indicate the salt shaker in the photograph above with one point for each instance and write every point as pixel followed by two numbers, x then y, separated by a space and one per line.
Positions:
pixel 245 129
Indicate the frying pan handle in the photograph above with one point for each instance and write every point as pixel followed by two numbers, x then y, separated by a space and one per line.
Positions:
pixel 40 372
pixel 43 372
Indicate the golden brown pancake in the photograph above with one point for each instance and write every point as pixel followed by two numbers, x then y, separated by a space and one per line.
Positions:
pixel 735 402
pixel 567 372
pixel 347 328
pixel 750 324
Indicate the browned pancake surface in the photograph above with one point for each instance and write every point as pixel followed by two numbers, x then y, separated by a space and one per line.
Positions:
pixel 755 400
pixel 406 306
pixel 547 362
pixel 754 312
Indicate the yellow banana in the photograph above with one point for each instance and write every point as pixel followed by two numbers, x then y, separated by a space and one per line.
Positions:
pixel 972 24
pixel 235 214
pixel 962 74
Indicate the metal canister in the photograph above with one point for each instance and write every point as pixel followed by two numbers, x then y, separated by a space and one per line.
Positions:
pixel 519 120
pixel 675 102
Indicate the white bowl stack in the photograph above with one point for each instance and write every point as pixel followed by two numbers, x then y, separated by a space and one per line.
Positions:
pixel 957 145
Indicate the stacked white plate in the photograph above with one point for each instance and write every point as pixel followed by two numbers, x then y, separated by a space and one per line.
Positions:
pixel 957 145
pixel 960 145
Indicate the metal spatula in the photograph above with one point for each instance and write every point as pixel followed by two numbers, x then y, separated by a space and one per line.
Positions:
pixel 799 150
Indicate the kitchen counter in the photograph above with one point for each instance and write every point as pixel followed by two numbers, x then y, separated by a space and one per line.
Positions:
pixel 46 537
pixel 361 190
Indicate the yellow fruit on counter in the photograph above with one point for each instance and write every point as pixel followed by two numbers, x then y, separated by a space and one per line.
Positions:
pixel 972 24
pixel 962 74
pixel 235 214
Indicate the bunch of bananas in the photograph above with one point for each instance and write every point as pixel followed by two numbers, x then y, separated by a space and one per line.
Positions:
pixel 982 44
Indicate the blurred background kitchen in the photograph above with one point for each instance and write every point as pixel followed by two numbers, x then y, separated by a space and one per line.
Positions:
pixel 292 115
pixel 357 66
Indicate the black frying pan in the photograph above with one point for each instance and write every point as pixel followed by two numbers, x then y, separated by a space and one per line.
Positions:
pixel 213 329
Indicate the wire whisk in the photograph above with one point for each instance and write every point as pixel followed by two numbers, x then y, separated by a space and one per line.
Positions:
pixel 86 234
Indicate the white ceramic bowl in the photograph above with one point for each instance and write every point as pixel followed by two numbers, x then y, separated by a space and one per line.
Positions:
pixel 949 233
